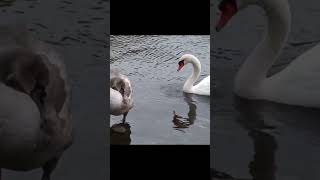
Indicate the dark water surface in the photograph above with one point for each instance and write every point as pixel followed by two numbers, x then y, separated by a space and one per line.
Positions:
pixel 78 30
pixel 256 139
pixel 151 62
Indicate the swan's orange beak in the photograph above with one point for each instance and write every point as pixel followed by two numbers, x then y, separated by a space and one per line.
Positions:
pixel 228 8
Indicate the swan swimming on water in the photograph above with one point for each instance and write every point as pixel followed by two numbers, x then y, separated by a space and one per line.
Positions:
pixel 203 87
pixel 35 117
pixel 121 100
pixel 298 83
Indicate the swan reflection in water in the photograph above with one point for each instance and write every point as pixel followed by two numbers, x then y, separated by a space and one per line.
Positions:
pixel 251 118
pixel 180 122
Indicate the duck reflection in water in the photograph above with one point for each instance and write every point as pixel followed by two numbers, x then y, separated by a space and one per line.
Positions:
pixel 180 122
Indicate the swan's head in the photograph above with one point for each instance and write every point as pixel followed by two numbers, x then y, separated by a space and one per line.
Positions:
pixel 23 70
pixel 122 85
pixel 185 59
pixel 228 8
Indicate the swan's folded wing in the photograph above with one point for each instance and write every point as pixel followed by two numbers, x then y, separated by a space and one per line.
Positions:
pixel 299 82
pixel 203 87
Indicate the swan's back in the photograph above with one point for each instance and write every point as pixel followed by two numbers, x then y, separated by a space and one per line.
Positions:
pixel 301 76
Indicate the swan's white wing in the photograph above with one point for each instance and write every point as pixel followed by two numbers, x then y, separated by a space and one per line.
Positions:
pixel 298 83
pixel 203 87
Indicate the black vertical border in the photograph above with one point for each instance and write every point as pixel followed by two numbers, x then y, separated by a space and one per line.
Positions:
pixel 165 17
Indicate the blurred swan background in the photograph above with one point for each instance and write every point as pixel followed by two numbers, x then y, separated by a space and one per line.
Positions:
pixel 79 32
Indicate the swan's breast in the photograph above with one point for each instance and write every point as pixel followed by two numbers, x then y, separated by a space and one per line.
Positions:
pixel 115 102
pixel 19 122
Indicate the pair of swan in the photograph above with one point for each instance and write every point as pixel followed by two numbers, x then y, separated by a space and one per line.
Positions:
pixel 297 84
pixel 35 118
pixel 121 100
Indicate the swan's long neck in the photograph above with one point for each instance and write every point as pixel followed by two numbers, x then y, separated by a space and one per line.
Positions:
pixel 254 70
pixel 188 85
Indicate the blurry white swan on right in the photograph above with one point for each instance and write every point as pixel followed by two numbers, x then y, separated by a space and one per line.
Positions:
pixel 298 83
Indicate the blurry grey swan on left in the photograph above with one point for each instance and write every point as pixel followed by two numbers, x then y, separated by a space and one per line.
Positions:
pixel 121 100
pixel 35 117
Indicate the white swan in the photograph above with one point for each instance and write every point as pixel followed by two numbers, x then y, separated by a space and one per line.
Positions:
pixel 203 87
pixel 35 118
pixel 121 100
pixel 298 83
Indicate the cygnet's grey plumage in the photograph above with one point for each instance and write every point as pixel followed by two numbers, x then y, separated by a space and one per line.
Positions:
pixel 120 94
pixel 35 117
